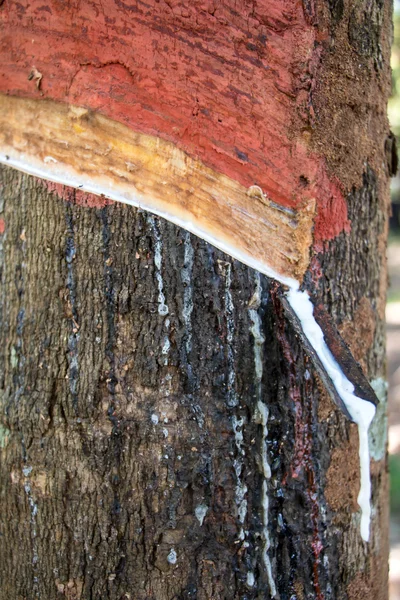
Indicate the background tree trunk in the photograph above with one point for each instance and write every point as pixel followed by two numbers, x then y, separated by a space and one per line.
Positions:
pixel 163 434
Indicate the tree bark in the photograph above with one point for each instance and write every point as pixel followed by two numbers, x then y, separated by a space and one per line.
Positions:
pixel 163 433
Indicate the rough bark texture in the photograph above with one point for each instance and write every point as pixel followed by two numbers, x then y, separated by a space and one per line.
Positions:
pixel 122 421
pixel 135 361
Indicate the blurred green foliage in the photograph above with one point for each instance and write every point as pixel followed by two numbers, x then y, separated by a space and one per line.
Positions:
pixel 394 470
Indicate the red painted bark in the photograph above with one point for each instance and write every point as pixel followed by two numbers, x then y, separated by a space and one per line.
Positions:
pixel 220 84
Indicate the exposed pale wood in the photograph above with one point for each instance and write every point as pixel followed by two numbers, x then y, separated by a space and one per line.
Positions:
pixel 86 150
pixel 225 82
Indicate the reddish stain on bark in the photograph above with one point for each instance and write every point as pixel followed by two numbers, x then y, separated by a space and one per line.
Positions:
pixel 302 462
pixel 315 270
pixel 76 196
pixel 225 82
pixel 300 433
pixel 2 226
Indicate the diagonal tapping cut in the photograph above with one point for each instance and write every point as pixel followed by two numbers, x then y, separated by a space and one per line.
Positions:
pixel 78 147
pixel 81 148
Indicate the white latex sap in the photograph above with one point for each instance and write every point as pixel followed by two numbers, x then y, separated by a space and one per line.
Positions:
pixel 361 411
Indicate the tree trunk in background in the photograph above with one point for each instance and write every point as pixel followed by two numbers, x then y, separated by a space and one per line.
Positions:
pixel 164 436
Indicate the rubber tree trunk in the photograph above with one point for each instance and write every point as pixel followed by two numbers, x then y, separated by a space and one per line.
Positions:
pixel 164 435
